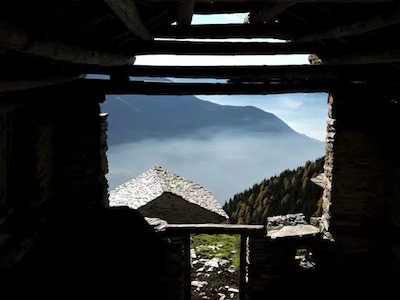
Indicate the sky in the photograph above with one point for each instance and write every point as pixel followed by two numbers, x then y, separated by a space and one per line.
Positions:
pixel 305 113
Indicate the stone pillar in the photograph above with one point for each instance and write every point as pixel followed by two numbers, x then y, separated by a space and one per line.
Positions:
pixel 328 167
pixel 365 214
pixel 103 156
pixel 55 163
pixel 173 279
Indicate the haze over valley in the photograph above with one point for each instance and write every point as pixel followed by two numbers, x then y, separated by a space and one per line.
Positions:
pixel 224 148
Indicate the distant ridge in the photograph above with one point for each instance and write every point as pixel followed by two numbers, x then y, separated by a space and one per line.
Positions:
pixel 137 117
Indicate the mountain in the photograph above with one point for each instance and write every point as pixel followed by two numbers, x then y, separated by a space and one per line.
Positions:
pixel 136 117
pixel 225 149
pixel 290 192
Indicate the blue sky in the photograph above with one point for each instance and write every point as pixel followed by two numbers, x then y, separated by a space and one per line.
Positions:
pixel 305 113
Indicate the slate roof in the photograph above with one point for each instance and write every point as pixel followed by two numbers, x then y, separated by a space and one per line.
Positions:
pixel 319 180
pixel 154 182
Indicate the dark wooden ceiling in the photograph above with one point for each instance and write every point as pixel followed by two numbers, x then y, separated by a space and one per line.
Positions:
pixel 48 42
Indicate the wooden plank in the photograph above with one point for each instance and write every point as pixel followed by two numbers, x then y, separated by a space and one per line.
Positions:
pixel 34 83
pixel 294 1
pixel 218 31
pixel 129 15
pixel 243 267
pixel 19 40
pixel 223 48
pixel 288 72
pixel 384 56
pixel 252 230
pixel 160 88
pixel 257 88
pixel 242 6
pixel 270 11
pixel 205 8
pixel 389 18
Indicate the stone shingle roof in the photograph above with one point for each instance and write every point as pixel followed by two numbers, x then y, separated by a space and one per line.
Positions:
pixel 319 180
pixel 156 181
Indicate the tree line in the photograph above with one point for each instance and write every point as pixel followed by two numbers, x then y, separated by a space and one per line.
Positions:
pixel 292 191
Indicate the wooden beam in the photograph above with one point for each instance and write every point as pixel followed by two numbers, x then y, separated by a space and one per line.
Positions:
pixel 389 18
pixel 161 88
pixel 254 73
pixel 222 48
pixel 295 1
pixel 205 8
pixel 18 40
pixel 103 87
pixel 241 6
pixel 184 12
pixel 129 15
pixel 384 56
pixel 248 230
pixel 218 31
pixel 269 12
pixel 34 83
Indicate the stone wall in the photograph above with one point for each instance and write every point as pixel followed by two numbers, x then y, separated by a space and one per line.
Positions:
pixel 172 283
pixel 103 157
pixel 174 209
pixel 328 167
pixel 365 189
pixel 275 271
pixel 5 156
pixel 53 162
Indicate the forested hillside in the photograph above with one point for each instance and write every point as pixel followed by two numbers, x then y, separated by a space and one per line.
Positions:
pixel 290 192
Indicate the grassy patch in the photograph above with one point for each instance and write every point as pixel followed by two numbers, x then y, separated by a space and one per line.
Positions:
pixel 217 245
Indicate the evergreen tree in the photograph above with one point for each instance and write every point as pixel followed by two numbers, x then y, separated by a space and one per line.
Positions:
pixel 290 192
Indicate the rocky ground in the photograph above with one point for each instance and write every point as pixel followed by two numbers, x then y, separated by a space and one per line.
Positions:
pixel 214 278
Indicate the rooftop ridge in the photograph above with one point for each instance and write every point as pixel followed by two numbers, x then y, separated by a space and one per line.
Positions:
pixel 158 180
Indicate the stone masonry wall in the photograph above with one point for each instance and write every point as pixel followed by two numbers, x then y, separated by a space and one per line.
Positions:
pixel 174 209
pixel 5 156
pixel 57 165
pixel 103 157
pixel 274 271
pixel 172 284
pixel 328 167
pixel 365 199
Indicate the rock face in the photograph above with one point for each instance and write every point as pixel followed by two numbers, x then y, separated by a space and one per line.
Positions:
pixel 161 194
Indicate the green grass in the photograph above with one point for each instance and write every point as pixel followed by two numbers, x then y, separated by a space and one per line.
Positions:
pixel 227 246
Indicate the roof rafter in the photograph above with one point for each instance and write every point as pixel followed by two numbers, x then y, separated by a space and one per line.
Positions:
pixel 161 88
pixel 218 31
pixel 361 26
pixel 254 73
pixel 19 40
pixel 270 11
pixel 129 15
pixel 294 1
pixel 223 48
pixel 366 57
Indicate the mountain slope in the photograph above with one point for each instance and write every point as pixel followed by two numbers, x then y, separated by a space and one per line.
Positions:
pixel 290 192
pixel 136 117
